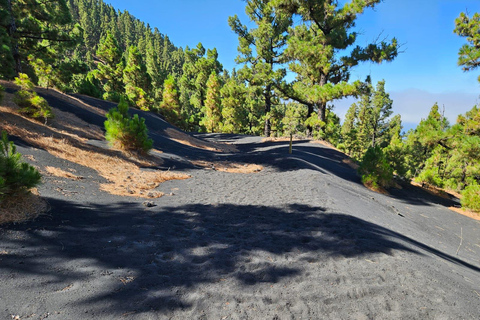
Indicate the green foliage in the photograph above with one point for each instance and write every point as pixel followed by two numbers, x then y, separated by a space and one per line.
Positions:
pixel 261 49
pixel 170 106
pixel 15 175
pixel 87 84
pixel 471 197
pixel 430 176
pixel 129 134
pixel 375 170
pixel 199 65
pixel 7 63
pixel 41 29
pixel 212 115
pixel 234 113
pixel 315 46
pixel 368 122
pixel 316 125
pixel 110 71
pixel 31 104
pixel 137 81
pixel 293 120
pixel 396 155
pixel 469 54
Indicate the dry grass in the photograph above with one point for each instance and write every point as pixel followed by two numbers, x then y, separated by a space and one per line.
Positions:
pixel 22 207
pixel 231 167
pixel 66 139
pixel 280 139
pixel 447 194
pixel 468 213
pixel 434 190
pixel 57 172
pixel 188 140
pixel 377 188
pixel 352 164
pixel 328 144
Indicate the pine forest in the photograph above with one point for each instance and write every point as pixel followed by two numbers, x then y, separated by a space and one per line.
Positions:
pixel 91 48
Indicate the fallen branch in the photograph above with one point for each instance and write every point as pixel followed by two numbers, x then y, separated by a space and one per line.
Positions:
pixel 461 240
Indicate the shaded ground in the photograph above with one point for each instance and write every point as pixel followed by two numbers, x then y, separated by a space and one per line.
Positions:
pixel 302 239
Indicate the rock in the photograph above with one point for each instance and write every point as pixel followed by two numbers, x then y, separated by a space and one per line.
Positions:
pixel 149 204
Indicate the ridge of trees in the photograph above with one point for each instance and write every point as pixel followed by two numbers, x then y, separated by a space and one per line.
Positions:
pixel 89 47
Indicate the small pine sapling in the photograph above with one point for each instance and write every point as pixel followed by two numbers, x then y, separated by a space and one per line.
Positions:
pixel 374 168
pixel 15 176
pixel 129 134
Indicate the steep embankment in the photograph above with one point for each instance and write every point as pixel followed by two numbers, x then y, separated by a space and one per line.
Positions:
pixel 300 239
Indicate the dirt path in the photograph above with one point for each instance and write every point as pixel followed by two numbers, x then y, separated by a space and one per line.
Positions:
pixel 302 239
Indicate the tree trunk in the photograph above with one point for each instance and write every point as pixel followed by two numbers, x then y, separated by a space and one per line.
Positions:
pixel 12 29
pixel 309 114
pixel 322 106
pixel 268 107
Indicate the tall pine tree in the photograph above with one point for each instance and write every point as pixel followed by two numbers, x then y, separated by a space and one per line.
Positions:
pixel 110 70
pixel 316 45
pixel 261 48
pixel 137 80
pixel 212 115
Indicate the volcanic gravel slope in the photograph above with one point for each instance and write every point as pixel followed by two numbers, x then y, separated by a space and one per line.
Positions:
pixel 302 239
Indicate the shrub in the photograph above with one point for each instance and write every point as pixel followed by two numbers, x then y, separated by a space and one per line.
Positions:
pixel 31 104
pixel 375 170
pixel 15 176
pixel 431 177
pixel 471 197
pixel 130 134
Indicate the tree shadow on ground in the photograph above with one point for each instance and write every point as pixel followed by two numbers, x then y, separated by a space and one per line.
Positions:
pixel 178 248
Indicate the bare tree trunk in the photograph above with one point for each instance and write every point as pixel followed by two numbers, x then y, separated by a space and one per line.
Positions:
pixel 12 29
pixel 322 109
pixel 268 108
pixel 322 106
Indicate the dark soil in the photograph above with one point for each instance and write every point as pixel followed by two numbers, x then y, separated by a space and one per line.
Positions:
pixel 302 239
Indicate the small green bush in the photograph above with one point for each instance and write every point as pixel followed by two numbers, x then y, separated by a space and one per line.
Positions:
pixel 130 134
pixel 15 175
pixel 431 177
pixel 471 197
pixel 31 104
pixel 375 170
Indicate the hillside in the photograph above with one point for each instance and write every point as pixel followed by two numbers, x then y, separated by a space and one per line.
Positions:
pixel 238 229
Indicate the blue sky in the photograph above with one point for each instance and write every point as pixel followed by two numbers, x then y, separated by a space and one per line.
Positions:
pixel 426 72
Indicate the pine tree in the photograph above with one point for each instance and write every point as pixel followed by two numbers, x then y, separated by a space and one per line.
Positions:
pixel 212 115
pixel 268 39
pixel 111 69
pixel 469 54
pixel 234 112
pixel 137 80
pixel 349 131
pixel 7 64
pixel 125 132
pixel 314 48
pixel 293 122
pixel 35 27
pixel 196 71
pixel 170 106
pixel 15 175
